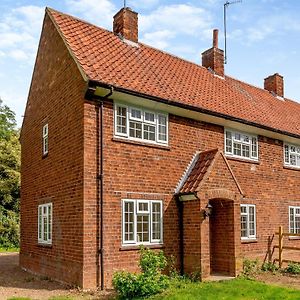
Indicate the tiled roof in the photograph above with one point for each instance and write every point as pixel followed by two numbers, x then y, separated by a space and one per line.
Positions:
pixel 105 58
pixel 198 172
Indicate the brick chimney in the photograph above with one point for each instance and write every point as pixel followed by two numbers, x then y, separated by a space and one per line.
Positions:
pixel 214 57
pixel 126 24
pixel 274 83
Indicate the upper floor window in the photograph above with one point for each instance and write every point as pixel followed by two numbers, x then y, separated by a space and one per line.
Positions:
pixel 142 221
pixel 45 223
pixel 248 221
pixel 45 139
pixel 238 144
pixel 292 155
pixel 141 124
pixel 294 212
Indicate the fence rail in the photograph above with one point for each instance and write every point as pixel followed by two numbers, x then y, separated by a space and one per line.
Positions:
pixel 280 246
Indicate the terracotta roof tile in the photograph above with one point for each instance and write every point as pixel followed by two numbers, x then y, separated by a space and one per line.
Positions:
pixel 105 58
pixel 198 172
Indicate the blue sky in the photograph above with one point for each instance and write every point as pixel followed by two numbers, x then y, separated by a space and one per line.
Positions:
pixel 263 36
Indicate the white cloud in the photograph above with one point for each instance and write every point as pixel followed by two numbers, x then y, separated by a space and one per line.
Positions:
pixel 178 18
pixel 19 31
pixel 136 4
pixel 158 39
pixel 98 12
pixel 18 54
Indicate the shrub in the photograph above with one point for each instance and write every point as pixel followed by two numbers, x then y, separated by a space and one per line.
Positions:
pixel 250 267
pixel 9 228
pixel 293 268
pixel 269 267
pixel 150 281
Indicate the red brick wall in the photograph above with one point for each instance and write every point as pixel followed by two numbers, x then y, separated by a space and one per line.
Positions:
pixel 56 98
pixel 138 171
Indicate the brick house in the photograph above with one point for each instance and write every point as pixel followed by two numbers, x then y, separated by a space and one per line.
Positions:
pixel 123 145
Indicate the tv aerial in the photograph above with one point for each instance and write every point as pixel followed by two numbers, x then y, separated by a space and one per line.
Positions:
pixel 226 5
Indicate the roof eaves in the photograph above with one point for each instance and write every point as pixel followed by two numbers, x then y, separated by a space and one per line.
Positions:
pixel 94 83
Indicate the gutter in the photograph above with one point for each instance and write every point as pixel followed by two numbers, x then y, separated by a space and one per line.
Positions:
pixel 94 84
pixel 89 95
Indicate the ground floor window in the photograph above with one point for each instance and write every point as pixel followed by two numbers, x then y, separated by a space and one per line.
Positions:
pixel 294 212
pixel 45 223
pixel 248 221
pixel 142 221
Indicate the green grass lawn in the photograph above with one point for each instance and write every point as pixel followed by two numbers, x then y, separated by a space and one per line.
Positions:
pixel 237 289
pixel 9 249
pixel 227 290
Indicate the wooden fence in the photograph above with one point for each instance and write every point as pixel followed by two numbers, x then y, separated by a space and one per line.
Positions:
pixel 281 246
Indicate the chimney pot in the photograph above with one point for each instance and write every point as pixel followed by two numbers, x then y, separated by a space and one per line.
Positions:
pixel 275 84
pixel 216 38
pixel 126 24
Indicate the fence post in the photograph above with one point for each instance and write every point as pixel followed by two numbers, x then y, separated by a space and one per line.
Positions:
pixel 280 245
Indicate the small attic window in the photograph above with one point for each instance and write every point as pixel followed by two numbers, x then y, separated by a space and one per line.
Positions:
pixel 45 140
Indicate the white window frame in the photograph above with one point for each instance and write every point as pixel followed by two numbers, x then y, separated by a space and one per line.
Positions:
pixel 247 214
pixel 136 213
pixel 294 219
pixel 143 122
pixel 251 137
pixel 49 218
pixel 288 162
pixel 45 139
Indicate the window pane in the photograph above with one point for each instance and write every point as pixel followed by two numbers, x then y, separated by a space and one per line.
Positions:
pixel 286 154
pixel 156 221
pixel 237 149
pixel 251 221
pixel 49 222
pixel 129 221
pixel 121 120
pixel 162 128
pixel 246 150
pixel 135 129
pixel 149 132
pixel 243 226
pixel 228 142
pixel 293 159
pixel 143 228
pixel 254 147
pixel 149 117
pixel 136 113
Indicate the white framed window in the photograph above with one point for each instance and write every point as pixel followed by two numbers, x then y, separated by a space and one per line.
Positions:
pixel 294 217
pixel 141 124
pixel 248 221
pixel 242 145
pixel 292 155
pixel 45 139
pixel 45 223
pixel 142 222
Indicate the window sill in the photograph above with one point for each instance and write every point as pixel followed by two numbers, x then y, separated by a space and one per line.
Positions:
pixel 291 168
pixel 249 241
pixel 137 247
pixel 245 160
pixel 44 245
pixel 294 237
pixel 125 140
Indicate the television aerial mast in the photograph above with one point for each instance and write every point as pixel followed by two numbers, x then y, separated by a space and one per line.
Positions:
pixel 226 4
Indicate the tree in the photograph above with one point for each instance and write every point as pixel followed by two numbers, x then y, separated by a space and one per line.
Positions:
pixel 9 178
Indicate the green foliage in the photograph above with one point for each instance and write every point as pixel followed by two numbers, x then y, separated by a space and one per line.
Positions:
pixel 269 267
pixel 250 267
pixel 9 178
pixel 149 282
pixel 293 268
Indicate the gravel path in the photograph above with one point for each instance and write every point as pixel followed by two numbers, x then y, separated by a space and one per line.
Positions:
pixel 14 282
